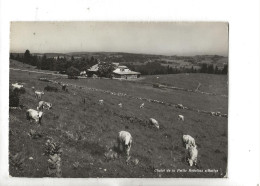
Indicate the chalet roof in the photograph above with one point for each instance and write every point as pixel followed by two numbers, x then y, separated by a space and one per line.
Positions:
pixel 94 68
pixel 127 73
pixel 122 67
pixel 124 71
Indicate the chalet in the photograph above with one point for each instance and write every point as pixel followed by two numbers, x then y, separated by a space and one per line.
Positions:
pixel 122 72
pixel 125 73
pixel 93 70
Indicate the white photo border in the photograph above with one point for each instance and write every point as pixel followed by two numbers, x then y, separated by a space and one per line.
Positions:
pixel 243 122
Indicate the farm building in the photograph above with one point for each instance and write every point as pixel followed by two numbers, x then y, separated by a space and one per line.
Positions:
pixel 125 72
pixel 93 70
pixel 119 72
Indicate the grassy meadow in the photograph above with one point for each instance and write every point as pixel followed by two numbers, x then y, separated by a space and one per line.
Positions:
pixel 98 126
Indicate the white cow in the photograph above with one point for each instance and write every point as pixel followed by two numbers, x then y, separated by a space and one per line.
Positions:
pixel 120 105
pixel 34 114
pixel 44 105
pixel 17 86
pixel 142 105
pixel 38 94
pixel 193 155
pixel 181 117
pixel 101 102
pixel 124 140
pixel 188 141
pixel 154 122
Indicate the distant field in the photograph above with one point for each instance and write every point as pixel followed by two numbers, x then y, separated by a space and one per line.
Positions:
pixel 209 82
pixel 99 126
pixel 19 65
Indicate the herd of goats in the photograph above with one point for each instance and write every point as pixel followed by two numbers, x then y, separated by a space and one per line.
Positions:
pixel 124 138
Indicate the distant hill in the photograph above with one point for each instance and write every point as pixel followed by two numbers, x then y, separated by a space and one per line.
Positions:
pixel 141 59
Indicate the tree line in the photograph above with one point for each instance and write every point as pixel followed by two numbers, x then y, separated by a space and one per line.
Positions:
pixel 73 66
pixel 154 68
pixel 61 64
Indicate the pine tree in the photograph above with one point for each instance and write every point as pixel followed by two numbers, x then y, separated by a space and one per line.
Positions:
pixel 225 69
pixel 27 57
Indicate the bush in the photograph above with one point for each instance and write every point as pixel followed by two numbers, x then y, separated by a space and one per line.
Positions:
pixel 52 148
pixel 20 91
pixel 72 72
pixel 17 160
pixel 13 98
pixel 51 89
pixel 54 166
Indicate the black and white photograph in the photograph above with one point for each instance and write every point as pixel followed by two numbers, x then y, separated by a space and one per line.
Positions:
pixel 100 99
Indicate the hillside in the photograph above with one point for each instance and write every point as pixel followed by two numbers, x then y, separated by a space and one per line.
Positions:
pixel 98 126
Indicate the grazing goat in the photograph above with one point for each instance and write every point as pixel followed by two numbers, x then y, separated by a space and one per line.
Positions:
pixel 17 86
pixel 188 141
pixel 193 154
pixel 38 94
pixel 44 105
pixel 101 102
pixel 124 140
pixel 154 122
pixel 34 114
pixel 181 117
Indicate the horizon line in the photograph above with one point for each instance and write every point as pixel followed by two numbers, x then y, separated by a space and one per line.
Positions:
pixel 123 52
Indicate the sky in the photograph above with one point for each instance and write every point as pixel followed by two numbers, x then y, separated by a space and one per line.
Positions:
pixel 166 38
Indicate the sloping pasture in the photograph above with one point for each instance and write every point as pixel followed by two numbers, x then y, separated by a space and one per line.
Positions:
pixel 98 126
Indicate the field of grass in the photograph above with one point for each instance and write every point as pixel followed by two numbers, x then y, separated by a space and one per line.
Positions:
pixel 209 82
pixel 98 126
pixel 144 88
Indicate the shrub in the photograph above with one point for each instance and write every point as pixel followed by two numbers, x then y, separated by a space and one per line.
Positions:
pixel 13 98
pixel 21 90
pixel 72 72
pixel 52 148
pixel 51 89
pixel 54 151
pixel 105 69
pixel 17 161
pixel 54 166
